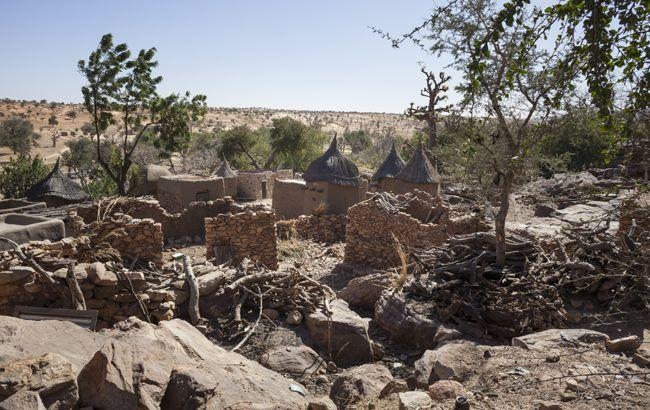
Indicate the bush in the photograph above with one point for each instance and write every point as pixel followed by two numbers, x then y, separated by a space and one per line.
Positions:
pixel 20 174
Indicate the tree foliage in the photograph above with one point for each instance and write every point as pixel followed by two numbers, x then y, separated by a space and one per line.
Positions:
pixel 17 176
pixel 18 134
pixel 122 91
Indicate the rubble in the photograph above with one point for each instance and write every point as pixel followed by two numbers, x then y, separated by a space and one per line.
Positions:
pixel 357 382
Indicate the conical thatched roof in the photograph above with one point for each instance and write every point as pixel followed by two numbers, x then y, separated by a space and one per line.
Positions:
pixel 224 170
pixel 55 184
pixel 392 165
pixel 419 169
pixel 333 167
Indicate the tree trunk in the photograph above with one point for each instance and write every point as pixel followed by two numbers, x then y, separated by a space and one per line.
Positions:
pixel 500 218
pixel 432 130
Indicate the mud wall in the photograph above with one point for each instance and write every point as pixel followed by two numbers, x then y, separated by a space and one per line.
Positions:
pixel 176 192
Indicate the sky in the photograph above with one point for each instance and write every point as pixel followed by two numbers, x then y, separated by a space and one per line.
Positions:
pixel 288 54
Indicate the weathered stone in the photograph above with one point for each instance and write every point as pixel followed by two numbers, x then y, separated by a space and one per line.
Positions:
pixel 156 295
pixel 349 340
pixel 414 400
pixel 549 405
pixel 642 355
pixel 50 375
pixel 98 275
pixel 394 386
pixel 15 274
pixel 33 287
pixel 455 360
pixel 294 318
pixel 272 314
pixel 357 382
pixel 210 282
pixel 544 210
pixel 558 337
pixel 405 320
pixel 444 333
pixel 446 389
pixel 624 344
pixel 300 360
pixel 364 291
pixel 24 400
pixel 321 403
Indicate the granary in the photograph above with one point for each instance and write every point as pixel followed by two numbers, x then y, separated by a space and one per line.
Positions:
pixel 176 192
pixel 229 178
pixel 418 173
pixel 391 166
pixel 57 190
pixel 148 177
pixel 258 184
pixel 333 180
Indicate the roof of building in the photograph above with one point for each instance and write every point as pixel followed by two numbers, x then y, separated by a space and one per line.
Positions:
pixel 391 166
pixel 225 171
pixel 58 185
pixel 419 170
pixel 333 167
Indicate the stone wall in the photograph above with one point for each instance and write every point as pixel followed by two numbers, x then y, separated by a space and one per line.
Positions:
pixel 422 222
pixel 248 234
pixel 249 183
pixel 322 228
pixel 187 224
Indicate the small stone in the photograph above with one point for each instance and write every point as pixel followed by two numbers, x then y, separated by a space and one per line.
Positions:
pixel 294 318
pixel 548 405
pixel 332 367
pixel 394 386
pixel 272 314
pixel 446 389
pixel 32 287
pixel 414 400
pixel 323 403
pixel 624 344
pixel 572 384
pixel 98 275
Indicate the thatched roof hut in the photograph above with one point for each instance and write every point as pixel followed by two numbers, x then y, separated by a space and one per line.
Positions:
pixel 419 170
pixel 225 171
pixel 56 189
pixel 333 167
pixel 391 166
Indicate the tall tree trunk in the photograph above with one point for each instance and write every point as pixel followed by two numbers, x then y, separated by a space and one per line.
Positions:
pixel 432 130
pixel 500 218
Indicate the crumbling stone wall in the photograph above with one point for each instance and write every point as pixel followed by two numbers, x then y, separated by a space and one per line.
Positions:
pixel 248 234
pixel 423 222
pixel 188 223
pixel 176 192
pixel 249 183
pixel 322 228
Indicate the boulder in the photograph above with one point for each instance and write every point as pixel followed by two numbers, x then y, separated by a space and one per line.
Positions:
pixel 298 360
pixel 446 389
pixel 15 274
pixel 456 360
pixel 24 400
pixel 321 403
pixel 414 400
pixel 357 382
pixel 349 339
pixel 21 338
pixel 294 318
pixel 364 291
pixel 49 375
pixel 394 386
pixel 210 282
pixel 406 321
pixel 133 368
pixel 642 356
pixel 558 337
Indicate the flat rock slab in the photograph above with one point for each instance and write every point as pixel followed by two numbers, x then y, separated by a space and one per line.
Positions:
pixel 558 337
pixel 297 360
pixel 355 383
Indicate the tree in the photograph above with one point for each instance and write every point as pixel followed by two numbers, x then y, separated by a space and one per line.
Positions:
pixel 237 141
pixel 52 121
pixel 123 91
pixel 20 174
pixel 434 91
pixel 358 140
pixel 80 158
pixel 18 134
pixel 509 97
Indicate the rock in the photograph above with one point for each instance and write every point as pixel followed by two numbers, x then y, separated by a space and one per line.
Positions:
pixel 556 337
pixel 394 386
pixel 210 282
pixel 98 275
pixel 572 385
pixel 414 400
pixel 133 368
pixel 624 344
pixel 455 360
pixel 349 339
pixel 272 314
pixel 49 375
pixel 294 318
pixel 322 403
pixel 444 333
pixel 157 295
pixel 544 210
pixel 446 389
pixel 357 382
pixel 364 291
pixel 24 400
pixel 406 321
pixel 16 274
pixel 642 355
pixel 20 338
pixel 299 360
pixel 549 405
pixel 33 287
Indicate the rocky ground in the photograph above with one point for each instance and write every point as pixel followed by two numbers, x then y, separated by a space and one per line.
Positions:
pixel 546 335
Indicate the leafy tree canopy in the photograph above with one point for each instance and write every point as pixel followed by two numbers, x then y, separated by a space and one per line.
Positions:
pixel 20 174
pixel 18 134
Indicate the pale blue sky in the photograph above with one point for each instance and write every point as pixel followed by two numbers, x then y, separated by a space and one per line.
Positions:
pixel 277 54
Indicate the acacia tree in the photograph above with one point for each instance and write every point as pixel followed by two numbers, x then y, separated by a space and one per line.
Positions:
pixel 434 92
pixel 18 134
pixel 122 91
pixel 52 122
pixel 511 94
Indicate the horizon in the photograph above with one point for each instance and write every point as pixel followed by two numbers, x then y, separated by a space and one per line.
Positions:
pixel 279 56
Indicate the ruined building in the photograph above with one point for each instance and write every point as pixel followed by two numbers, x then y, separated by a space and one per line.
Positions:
pixel 56 190
pixel 388 170
pixel 176 192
